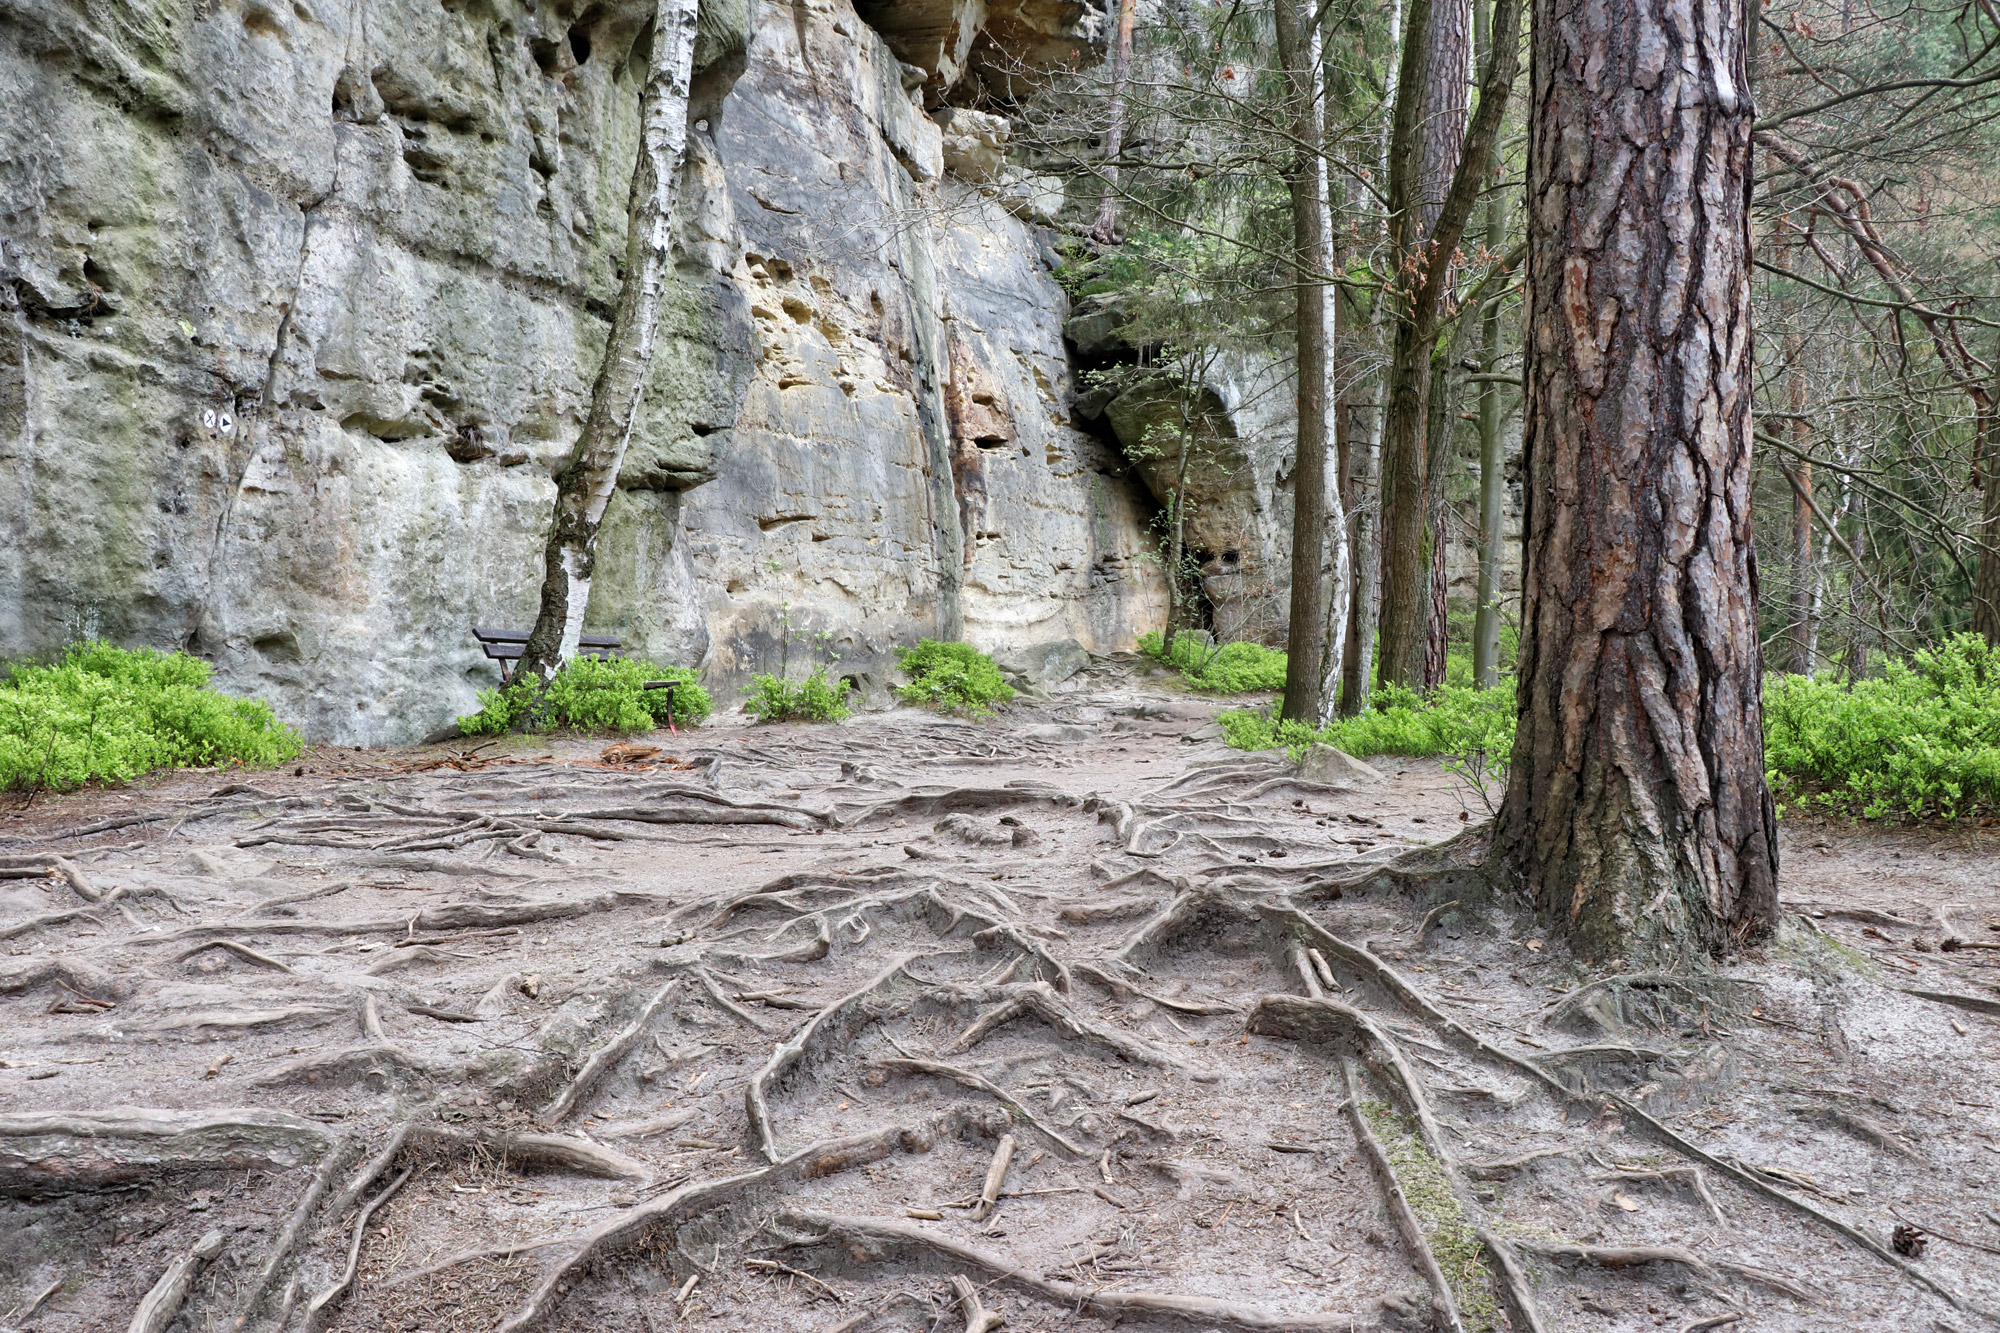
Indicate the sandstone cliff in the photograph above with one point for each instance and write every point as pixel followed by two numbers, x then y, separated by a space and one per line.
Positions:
pixel 300 302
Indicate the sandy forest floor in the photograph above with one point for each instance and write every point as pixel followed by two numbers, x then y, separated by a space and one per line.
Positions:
pixel 1074 1020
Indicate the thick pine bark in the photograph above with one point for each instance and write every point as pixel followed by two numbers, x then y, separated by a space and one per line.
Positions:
pixel 1305 638
pixel 583 488
pixel 1636 813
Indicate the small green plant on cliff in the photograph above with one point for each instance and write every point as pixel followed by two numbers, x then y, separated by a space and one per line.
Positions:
pixel 105 714
pixel 814 699
pixel 1228 668
pixel 952 677
pixel 590 694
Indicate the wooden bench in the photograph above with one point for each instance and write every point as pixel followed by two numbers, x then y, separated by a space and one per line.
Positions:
pixel 506 646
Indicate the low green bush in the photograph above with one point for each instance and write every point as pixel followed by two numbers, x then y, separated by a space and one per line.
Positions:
pixel 953 677
pixel 1457 720
pixel 814 699
pixel 1921 740
pixel 590 694
pixel 105 714
pixel 1229 668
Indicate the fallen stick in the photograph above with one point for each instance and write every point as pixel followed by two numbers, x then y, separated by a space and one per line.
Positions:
pixel 164 1301
pixel 608 1055
pixel 996 1177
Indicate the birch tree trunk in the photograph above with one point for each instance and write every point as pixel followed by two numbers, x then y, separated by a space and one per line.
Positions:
pixel 1339 566
pixel 1636 813
pixel 583 488
pixel 1305 637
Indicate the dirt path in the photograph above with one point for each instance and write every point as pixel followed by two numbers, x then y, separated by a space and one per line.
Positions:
pixel 1078 1019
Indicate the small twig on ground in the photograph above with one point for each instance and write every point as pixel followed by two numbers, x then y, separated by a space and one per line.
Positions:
pixel 773 1266
pixel 996 1178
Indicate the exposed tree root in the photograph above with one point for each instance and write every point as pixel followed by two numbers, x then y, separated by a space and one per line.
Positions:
pixel 1408 1226
pixel 968 1079
pixel 322 1302
pixel 280 1253
pixel 631 1226
pixel 164 1301
pixel 880 1237
pixel 60 1152
pixel 1038 999
pixel 978 1319
pixel 790 1053
pixel 605 1057
pixel 1514 1287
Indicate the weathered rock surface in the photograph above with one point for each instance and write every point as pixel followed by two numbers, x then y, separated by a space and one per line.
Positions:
pixel 300 306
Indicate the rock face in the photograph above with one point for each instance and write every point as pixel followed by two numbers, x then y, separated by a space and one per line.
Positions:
pixel 300 307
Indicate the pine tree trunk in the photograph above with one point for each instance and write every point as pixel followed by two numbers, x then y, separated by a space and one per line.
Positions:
pixel 1492 447
pixel 583 488
pixel 1358 670
pixel 1106 228
pixel 1986 573
pixel 1305 638
pixel 1422 258
pixel 1636 813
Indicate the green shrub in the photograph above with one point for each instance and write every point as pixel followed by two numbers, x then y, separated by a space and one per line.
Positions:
pixel 814 699
pixel 1920 740
pixel 954 677
pixel 590 694
pixel 1458 720
pixel 104 714
pixel 1229 668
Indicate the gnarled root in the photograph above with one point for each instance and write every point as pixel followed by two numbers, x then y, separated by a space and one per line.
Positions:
pixel 880 1237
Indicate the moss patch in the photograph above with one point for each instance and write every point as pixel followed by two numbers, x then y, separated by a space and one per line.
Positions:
pixel 1454 1242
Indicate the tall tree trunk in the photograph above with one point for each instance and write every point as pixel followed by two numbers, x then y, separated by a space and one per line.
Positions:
pixel 1422 258
pixel 1986 573
pixel 1305 635
pixel 1358 672
pixel 1801 632
pixel 583 488
pixel 1492 447
pixel 1338 573
pixel 1636 814
pixel 1106 228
